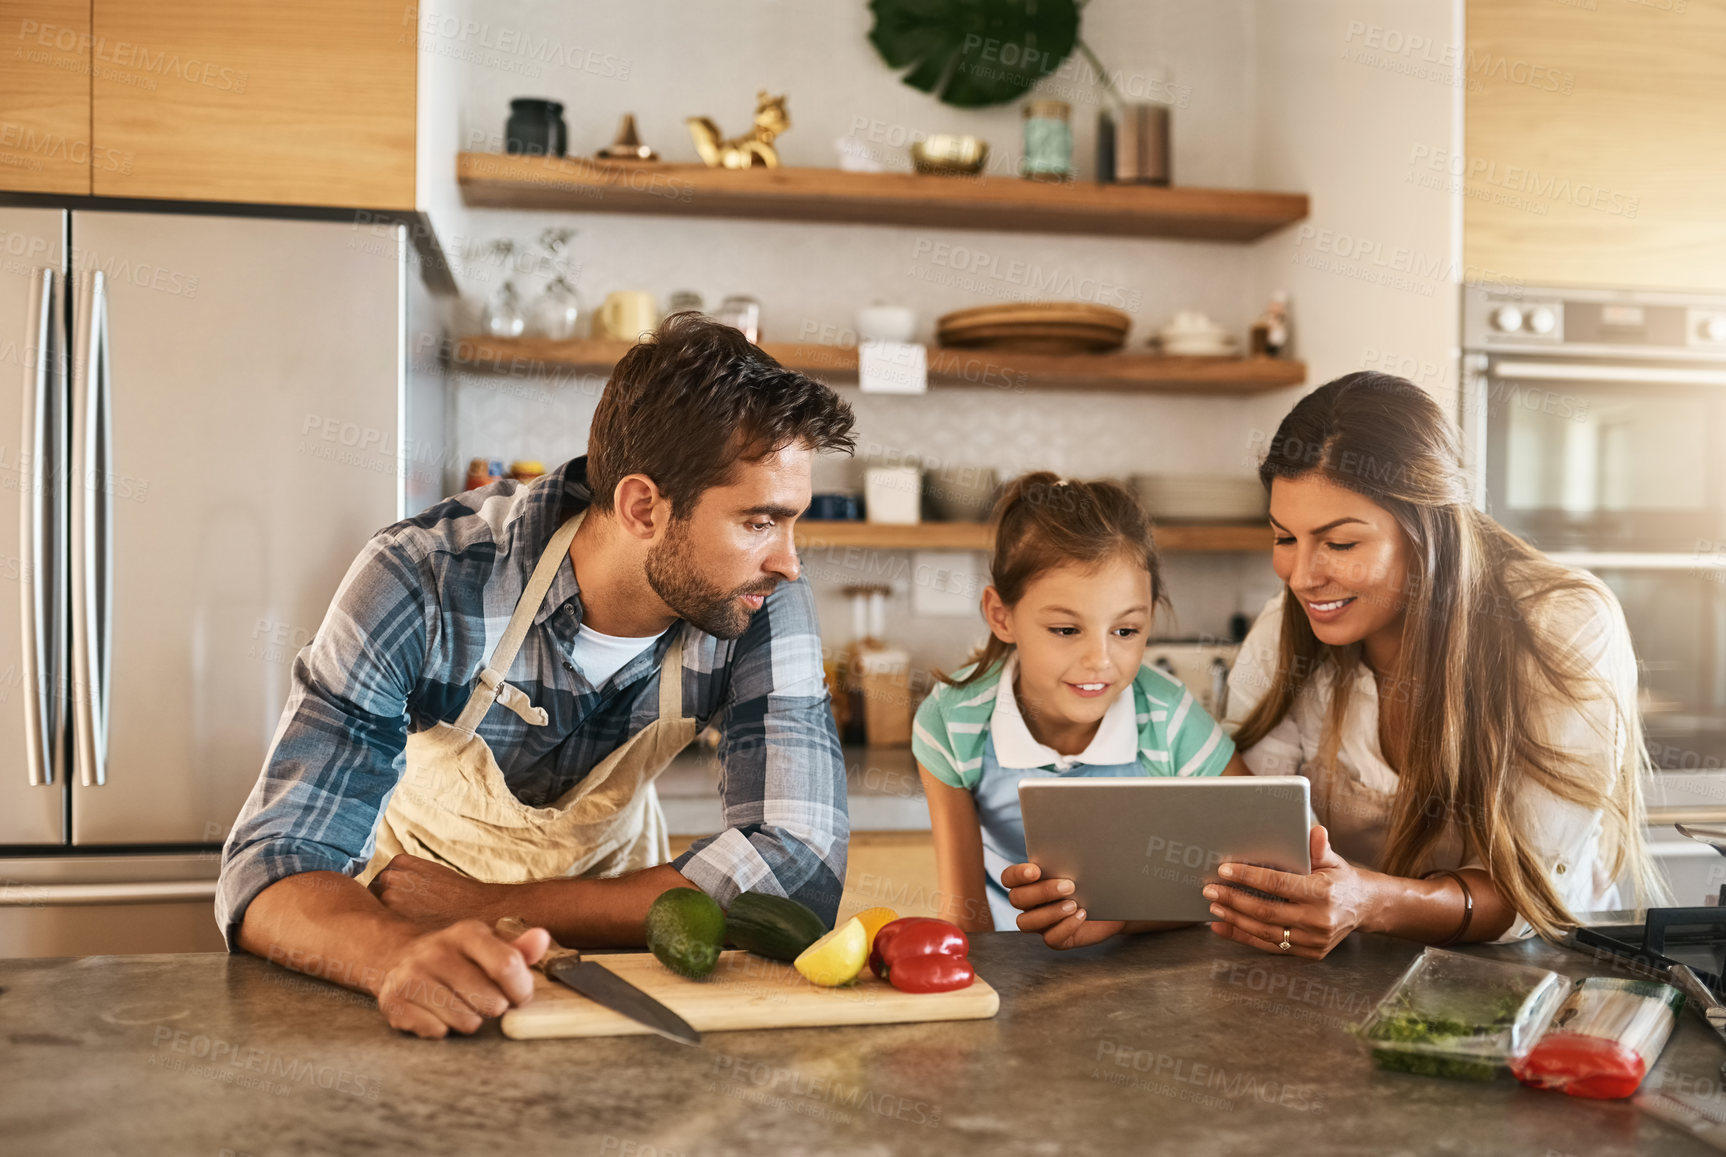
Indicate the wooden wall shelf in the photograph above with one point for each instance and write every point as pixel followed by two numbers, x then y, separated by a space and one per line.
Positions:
pixel 1175 537
pixel 982 369
pixel 579 184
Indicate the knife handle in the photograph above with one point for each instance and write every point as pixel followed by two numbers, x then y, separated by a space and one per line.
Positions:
pixel 513 927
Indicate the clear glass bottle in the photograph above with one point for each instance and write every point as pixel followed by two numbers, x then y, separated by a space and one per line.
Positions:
pixel 557 311
pixel 503 316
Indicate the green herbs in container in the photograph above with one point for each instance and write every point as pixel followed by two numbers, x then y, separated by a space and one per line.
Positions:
pixel 1462 1017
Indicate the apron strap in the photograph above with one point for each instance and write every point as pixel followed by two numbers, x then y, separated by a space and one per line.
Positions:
pixel 671 678
pixel 492 688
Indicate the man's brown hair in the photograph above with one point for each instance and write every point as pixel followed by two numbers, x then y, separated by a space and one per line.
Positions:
pixel 693 400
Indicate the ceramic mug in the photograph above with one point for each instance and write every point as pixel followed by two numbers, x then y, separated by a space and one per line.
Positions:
pixel 627 314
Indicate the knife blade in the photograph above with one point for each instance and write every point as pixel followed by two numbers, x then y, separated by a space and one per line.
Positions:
pixel 1706 1004
pixel 605 988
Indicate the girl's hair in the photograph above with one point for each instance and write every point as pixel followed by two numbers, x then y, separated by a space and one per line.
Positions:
pixel 1474 655
pixel 1042 522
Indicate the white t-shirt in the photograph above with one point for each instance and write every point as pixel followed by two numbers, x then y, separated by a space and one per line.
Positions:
pixel 1565 836
pixel 598 657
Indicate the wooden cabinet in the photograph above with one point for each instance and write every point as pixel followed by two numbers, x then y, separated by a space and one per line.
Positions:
pixel 211 100
pixel 1595 145
pixel 45 57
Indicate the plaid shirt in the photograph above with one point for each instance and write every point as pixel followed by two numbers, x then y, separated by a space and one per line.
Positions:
pixel 402 645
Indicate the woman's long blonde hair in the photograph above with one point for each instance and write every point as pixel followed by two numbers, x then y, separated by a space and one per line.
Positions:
pixel 1473 655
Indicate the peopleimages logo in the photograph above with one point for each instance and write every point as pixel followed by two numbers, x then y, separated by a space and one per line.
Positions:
pixel 1434 168
pixel 460 37
pixel 981 266
pixel 122 59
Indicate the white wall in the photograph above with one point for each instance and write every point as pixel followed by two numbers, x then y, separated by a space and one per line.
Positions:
pixel 1352 98
pixel 1262 99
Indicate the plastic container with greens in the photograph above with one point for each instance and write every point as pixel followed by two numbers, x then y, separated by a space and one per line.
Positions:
pixel 1463 1017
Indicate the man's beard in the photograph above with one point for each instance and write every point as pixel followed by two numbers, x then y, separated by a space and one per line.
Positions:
pixel 674 577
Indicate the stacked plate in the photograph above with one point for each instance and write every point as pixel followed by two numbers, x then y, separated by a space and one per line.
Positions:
pixel 1202 497
pixel 1045 327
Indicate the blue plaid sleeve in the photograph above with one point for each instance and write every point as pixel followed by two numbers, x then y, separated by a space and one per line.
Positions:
pixel 782 775
pixel 339 750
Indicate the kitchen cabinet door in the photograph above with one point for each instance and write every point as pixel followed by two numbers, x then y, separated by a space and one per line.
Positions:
pixel 256 101
pixel 1595 146
pixel 45 96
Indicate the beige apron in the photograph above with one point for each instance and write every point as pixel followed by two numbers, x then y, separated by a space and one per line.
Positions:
pixel 454 807
pixel 1356 814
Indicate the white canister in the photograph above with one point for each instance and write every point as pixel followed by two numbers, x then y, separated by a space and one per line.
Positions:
pixel 893 495
pixel 886 323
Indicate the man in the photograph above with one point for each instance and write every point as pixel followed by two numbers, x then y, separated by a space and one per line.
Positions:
pixel 477 725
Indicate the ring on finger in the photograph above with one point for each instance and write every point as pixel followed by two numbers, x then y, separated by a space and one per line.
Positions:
pixel 1285 944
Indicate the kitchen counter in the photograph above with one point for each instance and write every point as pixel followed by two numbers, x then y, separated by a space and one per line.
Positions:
pixel 1176 1043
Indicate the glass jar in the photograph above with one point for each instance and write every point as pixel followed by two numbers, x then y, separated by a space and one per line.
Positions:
pixel 535 127
pixel 556 311
pixel 1048 141
pixel 742 312
pixel 503 315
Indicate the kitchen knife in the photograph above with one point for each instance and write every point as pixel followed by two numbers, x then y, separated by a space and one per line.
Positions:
pixel 605 988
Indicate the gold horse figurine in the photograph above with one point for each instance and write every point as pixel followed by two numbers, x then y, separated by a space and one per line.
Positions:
pixel 754 148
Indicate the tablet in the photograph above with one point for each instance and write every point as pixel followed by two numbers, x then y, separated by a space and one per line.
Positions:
pixel 1142 847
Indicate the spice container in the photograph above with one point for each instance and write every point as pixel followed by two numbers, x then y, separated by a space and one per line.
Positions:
pixel 893 495
pixel 885 676
pixel 1048 141
pixel 1463 1017
pixel 483 472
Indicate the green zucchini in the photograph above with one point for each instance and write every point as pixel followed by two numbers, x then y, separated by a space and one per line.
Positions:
pixel 772 926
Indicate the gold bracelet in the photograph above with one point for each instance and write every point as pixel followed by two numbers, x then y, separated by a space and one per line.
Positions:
pixel 1467 905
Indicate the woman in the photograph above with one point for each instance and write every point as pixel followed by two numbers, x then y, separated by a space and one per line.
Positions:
pixel 1464 707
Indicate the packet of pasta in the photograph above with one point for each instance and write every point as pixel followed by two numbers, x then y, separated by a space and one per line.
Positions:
pixel 1605 1038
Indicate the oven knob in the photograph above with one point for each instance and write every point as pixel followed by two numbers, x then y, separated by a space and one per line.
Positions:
pixel 1507 318
pixel 1714 328
pixel 1542 320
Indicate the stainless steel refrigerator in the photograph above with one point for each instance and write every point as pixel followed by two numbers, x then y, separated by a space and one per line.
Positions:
pixel 202 419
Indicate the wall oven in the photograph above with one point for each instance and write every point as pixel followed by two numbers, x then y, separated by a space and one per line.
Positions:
pixel 1596 425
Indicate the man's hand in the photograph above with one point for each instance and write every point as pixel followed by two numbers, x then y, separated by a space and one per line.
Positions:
pixel 430 894
pixel 457 977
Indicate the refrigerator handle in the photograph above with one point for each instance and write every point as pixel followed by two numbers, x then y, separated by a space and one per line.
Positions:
pixel 90 523
pixel 35 511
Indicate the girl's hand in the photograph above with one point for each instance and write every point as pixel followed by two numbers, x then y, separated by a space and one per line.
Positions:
pixel 1317 911
pixel 1047 908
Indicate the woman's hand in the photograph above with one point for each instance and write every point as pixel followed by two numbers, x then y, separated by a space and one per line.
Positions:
pixel 1317 911
pixel 1046 907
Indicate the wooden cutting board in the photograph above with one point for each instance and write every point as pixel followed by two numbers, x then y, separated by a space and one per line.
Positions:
pixel 745 991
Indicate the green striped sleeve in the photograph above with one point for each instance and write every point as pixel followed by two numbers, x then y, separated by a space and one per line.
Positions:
pixel 1185 739
pixel 931 743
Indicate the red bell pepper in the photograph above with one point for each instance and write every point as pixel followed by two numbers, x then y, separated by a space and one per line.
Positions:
pixel 935 973
pixel 922 954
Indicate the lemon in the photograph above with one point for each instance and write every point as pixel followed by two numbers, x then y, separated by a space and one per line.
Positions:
pixel 837 957
pixel 875 919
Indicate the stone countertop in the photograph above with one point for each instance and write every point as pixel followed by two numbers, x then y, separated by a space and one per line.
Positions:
pixel 881 788
pixel 1176 1043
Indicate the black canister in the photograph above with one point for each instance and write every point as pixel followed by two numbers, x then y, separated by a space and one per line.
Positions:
pixel 535 127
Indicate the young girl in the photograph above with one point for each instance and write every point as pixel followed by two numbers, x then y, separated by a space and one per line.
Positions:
pixel 1060 689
